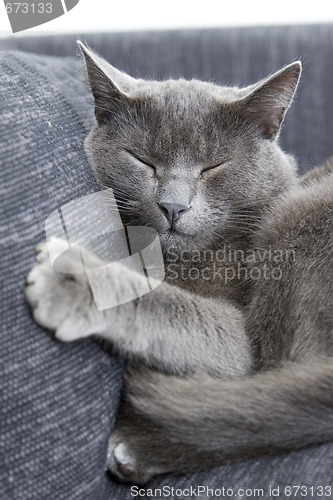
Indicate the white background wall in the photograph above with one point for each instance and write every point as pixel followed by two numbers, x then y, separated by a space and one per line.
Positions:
pixel 123 15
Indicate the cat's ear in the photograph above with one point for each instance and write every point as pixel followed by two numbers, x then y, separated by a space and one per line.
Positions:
pixel 110 87
pixel 269 100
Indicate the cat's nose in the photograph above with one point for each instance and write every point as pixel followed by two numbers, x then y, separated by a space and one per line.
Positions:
pixel 173 211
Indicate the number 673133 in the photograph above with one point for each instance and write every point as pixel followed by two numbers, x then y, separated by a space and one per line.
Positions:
pixel 28 8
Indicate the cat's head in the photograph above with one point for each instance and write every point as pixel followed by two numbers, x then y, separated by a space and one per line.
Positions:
pixel 194 160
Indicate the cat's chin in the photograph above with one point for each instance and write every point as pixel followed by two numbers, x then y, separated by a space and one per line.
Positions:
pixel 175 242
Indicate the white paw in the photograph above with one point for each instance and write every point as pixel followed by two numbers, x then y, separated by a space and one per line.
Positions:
pixel 121 461
pixel 124 462
pixel 60 301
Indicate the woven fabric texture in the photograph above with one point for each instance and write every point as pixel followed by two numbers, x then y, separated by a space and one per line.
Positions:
pixel 58 401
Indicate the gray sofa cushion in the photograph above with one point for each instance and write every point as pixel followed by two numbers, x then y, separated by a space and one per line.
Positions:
pixel 59 401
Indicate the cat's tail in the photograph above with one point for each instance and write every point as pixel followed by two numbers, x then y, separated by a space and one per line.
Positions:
pixel 202 421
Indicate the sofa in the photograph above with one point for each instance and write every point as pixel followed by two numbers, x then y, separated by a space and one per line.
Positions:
pixel 59 401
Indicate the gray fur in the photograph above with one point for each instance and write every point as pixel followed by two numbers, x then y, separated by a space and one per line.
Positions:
pixel 229 367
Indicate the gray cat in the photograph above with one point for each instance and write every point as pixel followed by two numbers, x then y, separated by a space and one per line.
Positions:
pixel 231 357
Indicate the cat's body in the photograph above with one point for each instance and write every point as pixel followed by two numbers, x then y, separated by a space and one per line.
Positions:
pixel 230 357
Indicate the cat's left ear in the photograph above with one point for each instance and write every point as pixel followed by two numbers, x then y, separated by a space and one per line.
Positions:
pixel 110 87
pixel 268 103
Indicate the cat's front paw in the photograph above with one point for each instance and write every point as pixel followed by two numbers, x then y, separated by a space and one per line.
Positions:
pixel 60 301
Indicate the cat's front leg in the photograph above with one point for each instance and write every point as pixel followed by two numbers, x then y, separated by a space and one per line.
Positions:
pixel 80 295
pixel 63 301
pixel 167 329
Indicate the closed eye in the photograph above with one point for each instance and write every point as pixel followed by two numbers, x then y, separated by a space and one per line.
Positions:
pixel 141 160
pixel 212 167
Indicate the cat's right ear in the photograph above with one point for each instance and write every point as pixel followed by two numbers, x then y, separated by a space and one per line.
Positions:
pixel 269 101
pixel 110 87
